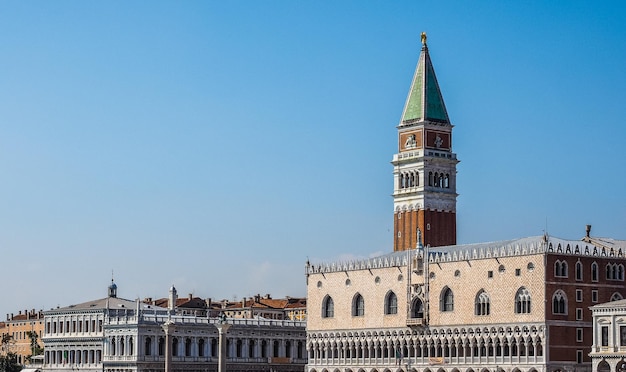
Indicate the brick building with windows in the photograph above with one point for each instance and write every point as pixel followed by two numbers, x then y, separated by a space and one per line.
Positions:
pixel 519 305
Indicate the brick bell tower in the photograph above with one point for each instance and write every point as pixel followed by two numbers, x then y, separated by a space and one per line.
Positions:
pixel 424 169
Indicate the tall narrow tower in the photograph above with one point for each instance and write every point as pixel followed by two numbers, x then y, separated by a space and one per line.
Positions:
pixel 424 169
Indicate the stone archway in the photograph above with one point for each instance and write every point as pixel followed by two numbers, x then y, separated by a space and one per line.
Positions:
pixel 604 366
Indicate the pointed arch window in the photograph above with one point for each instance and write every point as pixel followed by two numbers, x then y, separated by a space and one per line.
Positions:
pixel 358 305
pixel 616 296
pixel 559 303
pixel 446 300
pixel 522 301
pixel 594 272
pixel 482 303
pixel 328 307
pixel 417 308
pixel 391 303
pixel 560 269
pixel 579 270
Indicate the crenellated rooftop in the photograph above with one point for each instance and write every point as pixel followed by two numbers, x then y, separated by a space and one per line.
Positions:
pixel 597 247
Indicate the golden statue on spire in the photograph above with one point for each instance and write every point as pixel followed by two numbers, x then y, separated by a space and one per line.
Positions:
pixel 423 38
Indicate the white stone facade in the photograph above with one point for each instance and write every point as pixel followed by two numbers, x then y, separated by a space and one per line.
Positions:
pixel 116 335
pixel 608 352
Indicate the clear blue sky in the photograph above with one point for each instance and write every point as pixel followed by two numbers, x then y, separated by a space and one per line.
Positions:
pixel 217 145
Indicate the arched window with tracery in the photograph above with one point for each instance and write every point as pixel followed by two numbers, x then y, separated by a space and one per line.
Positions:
pixel 358 305
pixel 594 272
pixel 616 296
pixel 391 303
pixel 522 301
pixel 328 307
pixel 446 300
pixel 560 269
pixel 559 303
pixel 417 308
pixel 482 303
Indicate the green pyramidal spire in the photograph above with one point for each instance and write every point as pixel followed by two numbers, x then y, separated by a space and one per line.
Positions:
pixel 425 101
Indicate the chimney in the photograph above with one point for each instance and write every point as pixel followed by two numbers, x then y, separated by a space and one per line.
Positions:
pixel 588 230
pixel 243 302
pixel 190 296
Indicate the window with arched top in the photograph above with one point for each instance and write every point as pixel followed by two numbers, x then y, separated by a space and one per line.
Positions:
pixel 391 303
pixel 482 303
pixel 187 346
pixel 161 346
pixel 446 300
pixel 328 307
pixel 358 305
pixel 559 303
pixel 522 301
pixel 175 346
pixel 579 270
pixel 560 269
pixel 594 272
pixel 616 296
pixel 417 308
pixel 201 345
pixel 148 346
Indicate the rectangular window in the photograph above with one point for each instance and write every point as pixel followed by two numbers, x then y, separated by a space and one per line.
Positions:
pixel 579 335
pixel 605 336
pixel 579 295
pixel 489 274
pixel 518 272
pixel 594 295
pixel 579 356
pixel 579 313
pixel 622 335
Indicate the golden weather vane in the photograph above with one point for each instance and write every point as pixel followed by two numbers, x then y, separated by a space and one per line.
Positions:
pixel 423 38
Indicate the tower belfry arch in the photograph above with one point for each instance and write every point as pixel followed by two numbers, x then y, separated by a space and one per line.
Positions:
pixel 424 171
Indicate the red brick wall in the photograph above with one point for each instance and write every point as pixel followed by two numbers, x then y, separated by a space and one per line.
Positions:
pixel 442 229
